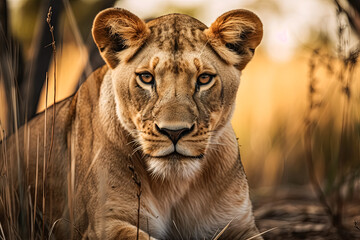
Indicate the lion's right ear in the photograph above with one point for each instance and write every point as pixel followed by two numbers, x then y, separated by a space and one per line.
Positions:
pixel 235 35
pixel 116 29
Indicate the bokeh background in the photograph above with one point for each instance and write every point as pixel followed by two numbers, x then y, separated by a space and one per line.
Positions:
pixel 298 96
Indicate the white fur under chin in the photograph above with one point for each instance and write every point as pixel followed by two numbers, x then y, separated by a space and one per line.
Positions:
pixel 163 169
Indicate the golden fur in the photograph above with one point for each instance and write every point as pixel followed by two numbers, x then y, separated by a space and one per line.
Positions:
pixel 175 133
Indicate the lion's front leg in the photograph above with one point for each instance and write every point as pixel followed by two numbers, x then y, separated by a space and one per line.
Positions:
pixel 115 229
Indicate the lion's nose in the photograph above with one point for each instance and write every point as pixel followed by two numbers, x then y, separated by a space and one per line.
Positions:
pixel 174 134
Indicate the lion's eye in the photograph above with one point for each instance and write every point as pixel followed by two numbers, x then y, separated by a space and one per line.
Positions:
pixel 204 79
pixel 146 77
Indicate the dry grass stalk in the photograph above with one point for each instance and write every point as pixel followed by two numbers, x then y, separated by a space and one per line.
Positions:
pixel 44 161
pixel 309 128
pixel 2 232
pixel 53 45
pixel 138 194
pixel 262 233
pixel 71 178
pixel 222 231
pixel 65 220
pixel 17 200
pixel 343 76
pixel 217 236
pixel 177 229
pixel 36 185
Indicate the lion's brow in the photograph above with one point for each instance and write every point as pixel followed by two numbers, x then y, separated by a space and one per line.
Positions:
pixel 155 62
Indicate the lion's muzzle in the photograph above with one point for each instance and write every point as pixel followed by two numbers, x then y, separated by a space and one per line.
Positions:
pixel 174 134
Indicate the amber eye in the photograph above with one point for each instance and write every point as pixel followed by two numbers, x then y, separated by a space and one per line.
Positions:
pixel 146 77
pixel 204 79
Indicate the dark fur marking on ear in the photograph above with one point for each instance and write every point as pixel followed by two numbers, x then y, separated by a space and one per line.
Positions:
pixel 244 34
pixel 119 43
pixel 236 48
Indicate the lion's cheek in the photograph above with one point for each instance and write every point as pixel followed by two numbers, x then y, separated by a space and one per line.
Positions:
pixel 124 110
pixel 136 119
pixel 215 119
pixel 129 103
pixel 125 119
pixel 218 111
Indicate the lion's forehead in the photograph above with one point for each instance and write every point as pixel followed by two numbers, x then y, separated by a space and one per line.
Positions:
pixel 177 33
pixel 163 62
pixel 176 66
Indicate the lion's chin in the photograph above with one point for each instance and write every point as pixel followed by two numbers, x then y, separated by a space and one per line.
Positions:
pixel 174 165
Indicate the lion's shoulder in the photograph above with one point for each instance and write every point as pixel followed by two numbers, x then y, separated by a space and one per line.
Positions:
pixel 93 83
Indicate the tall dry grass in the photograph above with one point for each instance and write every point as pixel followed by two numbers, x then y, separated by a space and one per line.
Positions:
pixel 271 136
pixel 21 217
pixel 332 131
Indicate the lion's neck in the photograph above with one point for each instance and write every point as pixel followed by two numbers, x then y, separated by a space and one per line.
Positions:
pixel 110 124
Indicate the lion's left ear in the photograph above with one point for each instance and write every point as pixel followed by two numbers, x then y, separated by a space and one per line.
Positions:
pixel 116 29
pixel 235 35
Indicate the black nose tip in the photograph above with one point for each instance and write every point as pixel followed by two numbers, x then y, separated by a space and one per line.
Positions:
pixel 174 135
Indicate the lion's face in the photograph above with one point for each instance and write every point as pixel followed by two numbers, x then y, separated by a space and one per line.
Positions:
pixel 175 80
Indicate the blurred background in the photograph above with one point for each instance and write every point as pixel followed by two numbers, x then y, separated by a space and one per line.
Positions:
pixel 297 114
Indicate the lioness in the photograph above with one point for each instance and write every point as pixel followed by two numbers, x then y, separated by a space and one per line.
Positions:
pixel 145 147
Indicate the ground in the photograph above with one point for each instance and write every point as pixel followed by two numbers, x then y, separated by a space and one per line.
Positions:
pixel 297 214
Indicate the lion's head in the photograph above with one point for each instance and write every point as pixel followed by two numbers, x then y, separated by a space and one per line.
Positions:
pixel 175 80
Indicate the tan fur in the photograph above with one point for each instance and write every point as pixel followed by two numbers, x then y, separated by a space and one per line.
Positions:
pixel 115 121
pixel 118 23
pixel 239 27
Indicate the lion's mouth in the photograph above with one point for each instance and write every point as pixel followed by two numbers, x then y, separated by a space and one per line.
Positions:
pixel 174 165
pixel 177 156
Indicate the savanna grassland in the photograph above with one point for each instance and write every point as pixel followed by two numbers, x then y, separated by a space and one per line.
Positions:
pixel 297 120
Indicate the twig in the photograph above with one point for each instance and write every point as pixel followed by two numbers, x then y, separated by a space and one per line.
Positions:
pixel 262 233
pixel 48 20
pixel 2 232
pixel 30 213
pixel 36 180
pixel 51 28
pixel 223 230
pixel 44 159
pixel 177 230
pixel 138 194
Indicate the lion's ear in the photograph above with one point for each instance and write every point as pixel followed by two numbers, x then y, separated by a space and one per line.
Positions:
pixel 117 29
pixel 235 35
